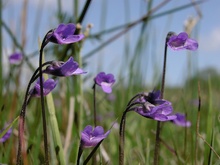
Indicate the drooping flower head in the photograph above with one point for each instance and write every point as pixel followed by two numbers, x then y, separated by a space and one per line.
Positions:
pixel 68 68
pixel 15 58
pixel 182 41
pixel 48 86
pixel 64 34
pixel 6 136
pixel 105 81
pixel 91 137
pixel 154 108
pixel 181 120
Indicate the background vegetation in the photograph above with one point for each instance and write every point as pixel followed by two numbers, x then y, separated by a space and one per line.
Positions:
pixel 131 68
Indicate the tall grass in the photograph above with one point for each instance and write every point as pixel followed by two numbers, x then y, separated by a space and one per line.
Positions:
pixel 72 101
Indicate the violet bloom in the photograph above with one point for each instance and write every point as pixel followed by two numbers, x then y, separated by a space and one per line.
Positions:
pixel 181 120
pixel 6 136
pixel 155 108
pixel 68 68
pixel 91 137
pixel 105 81
pixel 15 58
pixel 48 86
pixel 64 34
pixel 182 41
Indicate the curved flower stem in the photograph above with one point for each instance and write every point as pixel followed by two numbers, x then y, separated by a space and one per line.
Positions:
pixel 23 112
pixel 43 110
pixel 122 138
pixel 164 64
pixel 122 132
pixel 44 43
pixel 157 141
pixel 133 98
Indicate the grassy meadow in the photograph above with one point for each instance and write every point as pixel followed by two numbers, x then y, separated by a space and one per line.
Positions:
pixel 70 106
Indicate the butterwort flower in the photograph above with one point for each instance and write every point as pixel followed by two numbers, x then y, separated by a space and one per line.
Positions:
pixel 5 136
pixel 91 137
pixel 15 58
pixel 64 34
pixel 154 108
pixel 181 120
pixel 105 81
pixel 60 68
pixel 48 86
pixel 182 41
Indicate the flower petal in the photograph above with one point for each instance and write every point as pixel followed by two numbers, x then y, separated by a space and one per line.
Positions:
pixel 90 137
pixel 105 81
pixel 106 87
pixel 68 68
pixel 182 41
pixel 191 44
pixel 64 34
pixel 15 58
pixel 181 120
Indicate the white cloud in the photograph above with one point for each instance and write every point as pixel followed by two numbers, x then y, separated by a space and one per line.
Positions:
pixel 211 42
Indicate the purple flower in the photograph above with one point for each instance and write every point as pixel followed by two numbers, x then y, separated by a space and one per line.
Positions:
pixel 15 58
pixel 181 120
pixel 155 108
pixel 68 68
pixel 105 81
pixel 48 86
pixel 6 135
pixel 91 137
pixel 182 41
pixel 64 34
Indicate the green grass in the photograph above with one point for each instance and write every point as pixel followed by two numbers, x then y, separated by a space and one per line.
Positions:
pixel 178 144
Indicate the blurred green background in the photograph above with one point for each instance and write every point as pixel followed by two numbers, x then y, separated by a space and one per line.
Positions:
pixel 134 54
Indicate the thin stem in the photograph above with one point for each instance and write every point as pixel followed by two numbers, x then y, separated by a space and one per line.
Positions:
pixel 80 151
pixel 164 13
pixel 43 109
pixel 92 153
pixel 95 123
pixel 136 96
pixel 157 144
pixel 157 140
pixel 127 28
pixel 197 122
pixel 122 132
pixel 94 103
pixel 185 141
pixel 23 112
pixel 44 43
pixel 76 7
pixel 122 138
pixel 60 15
pixel 85 9
pixel 164 70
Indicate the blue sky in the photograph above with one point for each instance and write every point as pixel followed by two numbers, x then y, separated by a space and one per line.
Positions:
pixel 206 31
